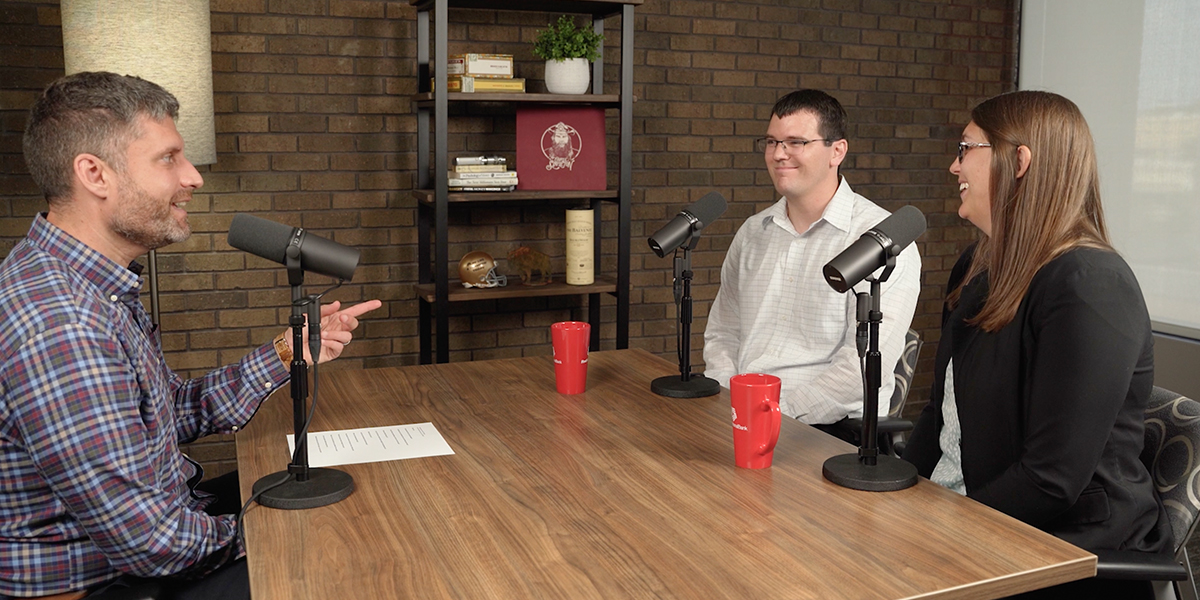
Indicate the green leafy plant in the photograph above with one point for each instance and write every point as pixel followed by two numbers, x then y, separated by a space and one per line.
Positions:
pixel 564 40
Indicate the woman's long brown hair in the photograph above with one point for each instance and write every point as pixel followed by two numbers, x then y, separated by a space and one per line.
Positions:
pixel 1053 207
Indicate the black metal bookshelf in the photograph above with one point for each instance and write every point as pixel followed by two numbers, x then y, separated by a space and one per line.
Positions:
pixel 434 199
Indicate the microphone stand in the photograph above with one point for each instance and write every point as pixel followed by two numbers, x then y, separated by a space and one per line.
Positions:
pixel 305 487
pixel 686 385
pixel 868 470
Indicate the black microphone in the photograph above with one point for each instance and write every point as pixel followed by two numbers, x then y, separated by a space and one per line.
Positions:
pixel 273 241
pixel 873 249
pixel 689 220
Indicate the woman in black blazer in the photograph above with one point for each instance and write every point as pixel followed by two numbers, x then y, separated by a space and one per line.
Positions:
pixel 1045 363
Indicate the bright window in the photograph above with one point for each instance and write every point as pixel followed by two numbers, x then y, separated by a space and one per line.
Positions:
pixel 1133 67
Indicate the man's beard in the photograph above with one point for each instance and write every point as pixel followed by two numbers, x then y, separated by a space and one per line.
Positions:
pixel 147 221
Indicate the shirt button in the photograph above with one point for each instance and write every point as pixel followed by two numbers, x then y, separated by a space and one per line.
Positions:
pixel 267 385
pixel 113 298
pixel 234 428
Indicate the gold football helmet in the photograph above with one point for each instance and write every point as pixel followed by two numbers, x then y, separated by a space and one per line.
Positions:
pixel 478 269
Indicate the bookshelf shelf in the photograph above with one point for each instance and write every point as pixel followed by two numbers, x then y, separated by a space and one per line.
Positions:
pixel 426 99
pixel 596 8
pixel 603 285
pixel 430 196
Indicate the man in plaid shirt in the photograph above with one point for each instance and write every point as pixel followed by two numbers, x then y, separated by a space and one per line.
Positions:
pixel 93 487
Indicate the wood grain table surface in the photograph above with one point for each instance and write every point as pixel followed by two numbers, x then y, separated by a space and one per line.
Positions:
pixel 614 493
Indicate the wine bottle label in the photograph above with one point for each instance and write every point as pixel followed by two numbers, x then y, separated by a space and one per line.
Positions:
pixel 580 247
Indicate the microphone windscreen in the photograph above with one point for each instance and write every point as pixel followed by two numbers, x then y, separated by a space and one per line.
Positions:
pixel 260 237
pixel 904 226
pixel 708 209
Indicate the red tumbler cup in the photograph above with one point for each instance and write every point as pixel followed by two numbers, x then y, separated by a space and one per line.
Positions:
pixel 570 340
pixel 756 418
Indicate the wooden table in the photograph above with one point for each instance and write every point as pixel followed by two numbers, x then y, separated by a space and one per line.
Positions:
pixel 614 493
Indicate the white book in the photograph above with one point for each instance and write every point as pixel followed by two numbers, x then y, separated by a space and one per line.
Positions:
pixel 494 182
pixel 461 168
pixel 481 65
pixel 497 188
pixel 479 160
pixel 474 175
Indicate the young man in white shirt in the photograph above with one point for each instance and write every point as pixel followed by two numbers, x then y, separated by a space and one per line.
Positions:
pixel 774 312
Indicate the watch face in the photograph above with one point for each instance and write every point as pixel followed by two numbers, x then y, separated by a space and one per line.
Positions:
pixel 282 349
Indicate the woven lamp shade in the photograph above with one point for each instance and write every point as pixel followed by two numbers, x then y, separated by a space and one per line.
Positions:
pixel 164 41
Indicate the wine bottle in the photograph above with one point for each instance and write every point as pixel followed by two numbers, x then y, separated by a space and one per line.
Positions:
pixel 581 268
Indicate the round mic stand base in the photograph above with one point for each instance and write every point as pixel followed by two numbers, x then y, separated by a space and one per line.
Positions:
pixel 888 474
pixel 697 386
pixel 323 487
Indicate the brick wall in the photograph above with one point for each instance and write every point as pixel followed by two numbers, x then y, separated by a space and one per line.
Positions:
pixel 315 129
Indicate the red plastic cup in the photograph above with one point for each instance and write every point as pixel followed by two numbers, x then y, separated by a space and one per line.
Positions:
pixel 570 340
pixel 756 419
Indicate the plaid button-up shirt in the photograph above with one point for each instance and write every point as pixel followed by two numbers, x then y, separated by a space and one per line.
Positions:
pixel 92 482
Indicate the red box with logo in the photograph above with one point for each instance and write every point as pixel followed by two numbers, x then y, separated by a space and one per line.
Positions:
pixel 561 148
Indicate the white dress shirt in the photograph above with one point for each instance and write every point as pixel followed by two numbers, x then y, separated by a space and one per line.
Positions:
pixel 774 312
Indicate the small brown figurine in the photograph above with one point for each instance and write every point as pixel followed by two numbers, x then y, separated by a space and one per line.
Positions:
pixel 533 265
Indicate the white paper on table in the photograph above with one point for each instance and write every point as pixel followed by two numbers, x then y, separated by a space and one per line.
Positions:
pixel 372 444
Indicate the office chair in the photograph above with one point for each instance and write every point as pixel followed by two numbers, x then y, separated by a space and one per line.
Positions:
pixel 146 590
pixel 1172 454
pixel 891 428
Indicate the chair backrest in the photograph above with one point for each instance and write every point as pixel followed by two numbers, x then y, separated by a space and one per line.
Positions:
pixel 1172 453
pixel 905 367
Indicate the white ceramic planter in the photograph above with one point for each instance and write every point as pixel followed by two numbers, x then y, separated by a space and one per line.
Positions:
pixel 570 76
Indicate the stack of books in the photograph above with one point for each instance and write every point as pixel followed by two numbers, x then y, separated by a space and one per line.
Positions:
pixel 482 73
pixel 482 174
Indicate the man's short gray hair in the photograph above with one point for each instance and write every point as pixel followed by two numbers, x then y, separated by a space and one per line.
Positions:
pixel 88 113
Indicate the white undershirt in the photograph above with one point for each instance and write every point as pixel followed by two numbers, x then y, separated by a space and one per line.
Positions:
pixel 948 472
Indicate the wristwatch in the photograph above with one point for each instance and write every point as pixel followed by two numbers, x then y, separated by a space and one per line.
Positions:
pixel 282 349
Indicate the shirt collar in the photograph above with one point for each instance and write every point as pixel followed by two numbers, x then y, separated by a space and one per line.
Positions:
pixel 112 279
pixel 837 213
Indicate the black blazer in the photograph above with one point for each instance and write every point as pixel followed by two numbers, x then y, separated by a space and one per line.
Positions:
pixel 1052 405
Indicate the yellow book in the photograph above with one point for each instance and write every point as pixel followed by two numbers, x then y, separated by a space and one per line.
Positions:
pixel 466 83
